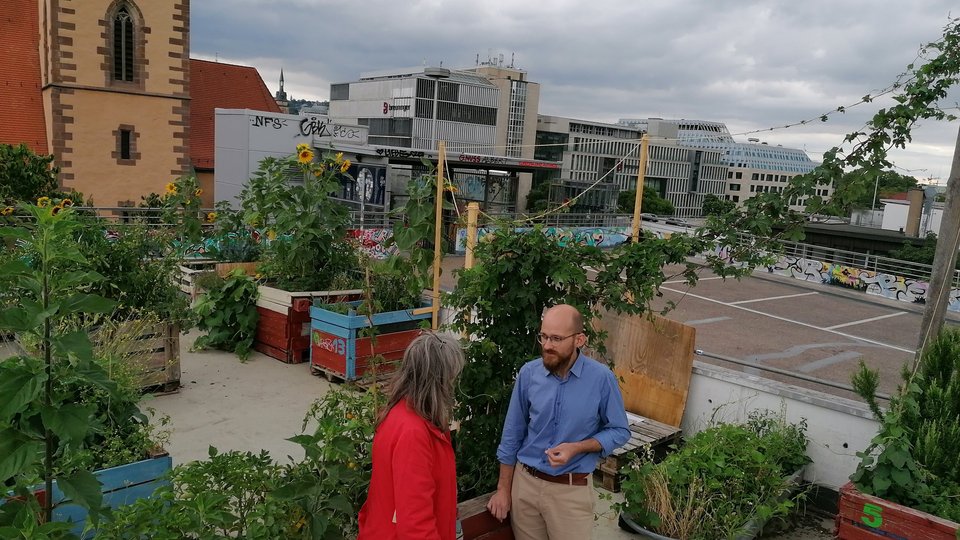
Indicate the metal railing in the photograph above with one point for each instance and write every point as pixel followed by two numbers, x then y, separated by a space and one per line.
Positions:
pixel 864 261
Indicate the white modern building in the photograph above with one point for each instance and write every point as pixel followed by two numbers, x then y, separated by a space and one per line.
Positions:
pixel 753 167
pixel 593 152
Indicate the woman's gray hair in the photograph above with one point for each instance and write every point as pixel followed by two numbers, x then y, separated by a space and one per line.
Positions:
pixel 426 377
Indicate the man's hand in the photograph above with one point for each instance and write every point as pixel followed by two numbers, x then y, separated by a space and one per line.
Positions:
pixel 562 453
pixel 499 504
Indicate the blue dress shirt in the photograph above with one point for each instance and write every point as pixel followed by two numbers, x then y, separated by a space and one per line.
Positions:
pixel 546 411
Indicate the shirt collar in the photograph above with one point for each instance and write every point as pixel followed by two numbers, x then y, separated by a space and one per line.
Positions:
pixel 575 369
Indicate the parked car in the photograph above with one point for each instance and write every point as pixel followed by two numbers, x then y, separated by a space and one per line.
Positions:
pixel 646 216
pixel 679 222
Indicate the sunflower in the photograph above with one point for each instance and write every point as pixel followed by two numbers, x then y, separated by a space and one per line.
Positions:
pixel 271 235
pixel 339 157
pixel 305 156
pixel 6 211
pixel 302 146
pixel 198 192
pixel 211 217
pixel 56 210
pixel 171 188
pixel 66 203
pixel 345 165
pixel 43 202
pixel 448 186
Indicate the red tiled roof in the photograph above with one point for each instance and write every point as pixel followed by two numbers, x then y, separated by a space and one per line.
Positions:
pixel 897 196
pixel 21 102
pixel 224 86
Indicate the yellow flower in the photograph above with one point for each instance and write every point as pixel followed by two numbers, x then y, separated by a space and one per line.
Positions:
pixel 345 166
pixel 43 202
pixel 171 187
pixel 258 275
pixel 271 235
pixel 447 186
pixel 66 203
pixel 198 192
pixel 302 146
pixel 339 157
pixel 6 211
pixel 211 217
pixel 56 210
pixel 305 156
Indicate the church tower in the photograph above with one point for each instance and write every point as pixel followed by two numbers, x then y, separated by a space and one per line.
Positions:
pixel 281 96
pixel 116 92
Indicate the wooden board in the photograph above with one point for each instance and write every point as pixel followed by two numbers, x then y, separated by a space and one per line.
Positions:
pixel 645 431
pixel 479 524
pixel 653 358
pixel 864 517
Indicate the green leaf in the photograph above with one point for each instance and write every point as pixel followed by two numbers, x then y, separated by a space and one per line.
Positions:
pixel 87 303
pixel 82 488
pixel 902 477
pixel 75 344
pixel 880 484
pixel 18 387
pixel 70 422
pixel 340 504
pixel 16 319
pixel 17 454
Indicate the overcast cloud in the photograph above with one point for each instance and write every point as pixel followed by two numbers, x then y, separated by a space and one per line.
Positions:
pixel 750 64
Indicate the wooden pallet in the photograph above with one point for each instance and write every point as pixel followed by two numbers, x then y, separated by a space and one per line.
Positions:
pixel 642 431
pixel 153 353
pixel 185 278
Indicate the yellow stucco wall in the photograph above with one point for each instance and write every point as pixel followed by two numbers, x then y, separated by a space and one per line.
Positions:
pixel 86 108
pixel 97 172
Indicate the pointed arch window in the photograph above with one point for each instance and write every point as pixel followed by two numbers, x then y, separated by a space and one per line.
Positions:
pixel 123 45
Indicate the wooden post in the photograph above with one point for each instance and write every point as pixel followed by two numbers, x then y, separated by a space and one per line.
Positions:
pixel 437 235
pixel 473 213
pixel 641 172
pixel 944 261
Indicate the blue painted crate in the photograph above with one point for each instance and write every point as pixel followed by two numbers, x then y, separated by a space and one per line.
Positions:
pixel 121 485
pixel 334 343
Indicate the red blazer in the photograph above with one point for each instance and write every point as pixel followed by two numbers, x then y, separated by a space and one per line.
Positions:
pixel 413 489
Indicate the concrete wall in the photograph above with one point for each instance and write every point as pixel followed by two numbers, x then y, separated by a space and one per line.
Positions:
pixel 837 428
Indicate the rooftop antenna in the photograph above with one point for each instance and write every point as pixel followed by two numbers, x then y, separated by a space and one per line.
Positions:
pixel 478 59
pixel 511 59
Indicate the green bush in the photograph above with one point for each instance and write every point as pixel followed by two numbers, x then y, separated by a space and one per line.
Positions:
pixel 228 315
pixel 913 458
pixel 720 480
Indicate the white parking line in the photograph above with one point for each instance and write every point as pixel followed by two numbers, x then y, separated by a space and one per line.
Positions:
pixel 861 321
pixel 684 281
pixel 784 319
pixel 773 298
pixel 706 321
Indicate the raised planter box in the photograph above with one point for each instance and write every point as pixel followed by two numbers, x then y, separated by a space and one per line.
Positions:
pixel 187 273
pixel 223 269
pixel 338 349
pixel 477 523
pixel 121 485
pixel 283 331
pixel 863 516
pixel 751 529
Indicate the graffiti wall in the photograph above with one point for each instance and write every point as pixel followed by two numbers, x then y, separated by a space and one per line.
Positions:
pixel 373 242
pixel 876 283
pixel 590 236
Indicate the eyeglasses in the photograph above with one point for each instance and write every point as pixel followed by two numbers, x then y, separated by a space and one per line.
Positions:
pixel 543 339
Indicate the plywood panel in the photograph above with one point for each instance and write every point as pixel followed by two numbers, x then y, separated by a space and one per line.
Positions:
pixel 653 358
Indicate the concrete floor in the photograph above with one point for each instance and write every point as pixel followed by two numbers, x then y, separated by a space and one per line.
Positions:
pixel 257 404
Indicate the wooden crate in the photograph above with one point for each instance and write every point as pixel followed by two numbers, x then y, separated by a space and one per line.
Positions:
pixel 642 431
pixel 120 486
pixel 185 278
pixel 479 524
pixel 153 350
pixel 283 330
pixel 337 348
pixel 249 268
pixel 865 517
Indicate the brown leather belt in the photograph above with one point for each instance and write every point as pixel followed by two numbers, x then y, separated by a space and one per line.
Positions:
pixel 571 479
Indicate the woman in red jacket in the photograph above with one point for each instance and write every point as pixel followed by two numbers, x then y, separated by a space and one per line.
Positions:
pixel 413 489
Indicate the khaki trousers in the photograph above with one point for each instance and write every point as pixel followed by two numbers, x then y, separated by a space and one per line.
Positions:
pixel 542 510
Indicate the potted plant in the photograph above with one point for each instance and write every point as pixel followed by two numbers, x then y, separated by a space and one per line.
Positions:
pixel 66 407
pixel 232 243
pixel 907 484
pixel 347 337
pixel 305 254
pixel 725 482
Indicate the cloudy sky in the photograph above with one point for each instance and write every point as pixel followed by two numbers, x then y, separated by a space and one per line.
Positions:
pixel 750 64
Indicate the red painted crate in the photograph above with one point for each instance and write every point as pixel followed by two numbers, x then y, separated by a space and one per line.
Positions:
pixel 865 517
pixel 284 337
pixel 329 352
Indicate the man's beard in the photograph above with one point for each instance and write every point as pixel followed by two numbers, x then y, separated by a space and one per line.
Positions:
pixel 554 362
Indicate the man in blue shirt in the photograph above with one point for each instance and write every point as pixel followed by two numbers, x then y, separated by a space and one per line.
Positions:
pixel 566 412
